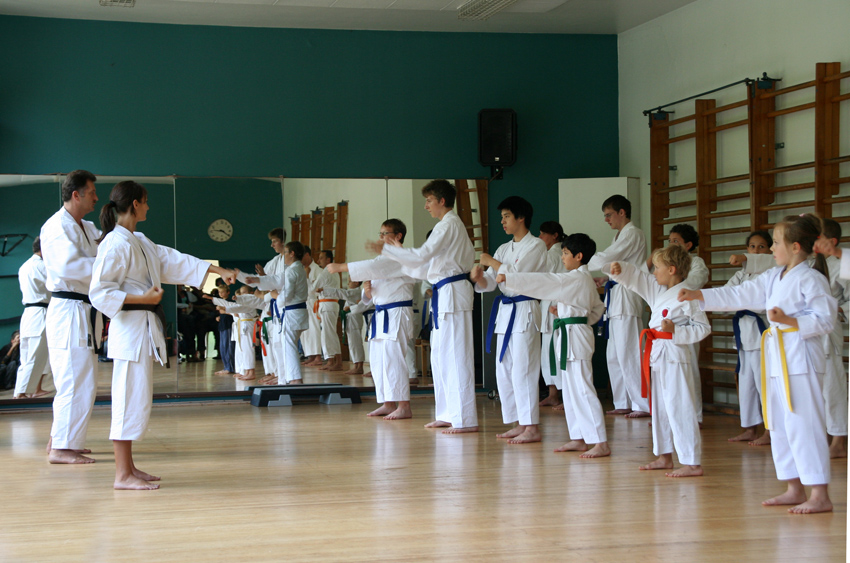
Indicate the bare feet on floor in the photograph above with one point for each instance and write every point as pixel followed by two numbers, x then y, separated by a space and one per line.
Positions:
pixel 67 457
pixel 400 413
pixel 599 450
pixel 660 463
pixel 573 446
pixel 461 430
pixel 529 435
pixel 383 410
pixel 550 401
pixel 619 411
pixel 747 435
pixel 786 498
pixel 558 407
pixel 246 378
pixel 838 447
pixel 638 414
pixel 223 372
pixel 686 471
pixel 133 483
pixel 295 382
pixel 354 371
pixel 438 424
pixel 512 433
pixel 764 440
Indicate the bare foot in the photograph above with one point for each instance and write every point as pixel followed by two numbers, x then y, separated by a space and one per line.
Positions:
pixel 272 381
pixel 133 483
pixel 763 441
pixel 573 446
pixel 295 382
pixel 383 410
pixel 246 378
pixel 599 450
pixel 335 367
pixel 788 497
pixel 438 424
pixel 529 435
pixel 558 407
pixel 354 371
pixel 659 463
pixel 619 411
pixel 686 471
pixel 400 413
pixel 638 414
pixel 325 367
pixel 512 433
pixel 223 372
pixel 317 362
pixel 461 430
pixel 367 374
pixel 67 456
pixel 812 506
pixel 838 447
pixel 41 393
pixel 144 476
pixel 746 436
pixel 550 401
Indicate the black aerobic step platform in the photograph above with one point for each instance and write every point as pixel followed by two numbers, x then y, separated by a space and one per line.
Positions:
pixel 281 395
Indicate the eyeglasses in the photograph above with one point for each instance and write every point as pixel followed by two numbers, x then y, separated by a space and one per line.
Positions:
pixel 609 215
pixel 386 233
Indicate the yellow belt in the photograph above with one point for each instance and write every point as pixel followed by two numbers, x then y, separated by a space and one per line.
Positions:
pixel 777 332
pixel 239 330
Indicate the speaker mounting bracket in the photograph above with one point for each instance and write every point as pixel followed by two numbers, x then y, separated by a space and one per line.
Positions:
pixel 496 173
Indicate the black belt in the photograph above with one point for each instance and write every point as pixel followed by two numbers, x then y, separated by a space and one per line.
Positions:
pixel 43 305
pixel 140 307
pixel 72 295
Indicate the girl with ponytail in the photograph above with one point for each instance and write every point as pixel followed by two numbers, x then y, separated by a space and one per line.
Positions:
pixel 801 309
pixel 126 286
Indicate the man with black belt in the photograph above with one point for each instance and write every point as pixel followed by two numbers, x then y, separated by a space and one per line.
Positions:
pixel 32 278
pixel 69 249
pixel 449 256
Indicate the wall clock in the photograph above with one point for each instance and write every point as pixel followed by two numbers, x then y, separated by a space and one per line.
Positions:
pixel 220 230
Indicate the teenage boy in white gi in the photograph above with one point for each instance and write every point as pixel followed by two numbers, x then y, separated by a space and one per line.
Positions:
pixel 274 347
pixel 353 323
pixel 328 311
pixel 311 338
pixel 516 320
pixel 449 257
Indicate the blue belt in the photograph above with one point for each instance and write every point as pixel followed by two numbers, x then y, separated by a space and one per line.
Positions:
pixel 385 308
pixel 279 315
pixel 435 303
pixel 736 328
pixel 494 312
pixel 603 321
pixel 368 314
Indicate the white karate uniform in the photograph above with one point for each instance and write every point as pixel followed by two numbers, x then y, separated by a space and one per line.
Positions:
pixel 624 320
pixel 749 356
pixel 32 278
pixel 387 350
pixel 69 250
pixel 555 266
pixel 130 264
pixel 674 415
pixel 311 337
pixel 244 313
pixel 353 321
pixel 448 252
pixel 274 347
pixel 697 278
pixel 328 312
pixel 798 439
pixel 834 379
pixel 292 289
pixel 518 371
pixel 576 296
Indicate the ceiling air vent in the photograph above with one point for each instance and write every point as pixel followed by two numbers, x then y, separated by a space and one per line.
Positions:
pixel 118 3
pixel 482 9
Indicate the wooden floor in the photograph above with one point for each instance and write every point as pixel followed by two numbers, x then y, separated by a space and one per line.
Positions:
pixel 324 483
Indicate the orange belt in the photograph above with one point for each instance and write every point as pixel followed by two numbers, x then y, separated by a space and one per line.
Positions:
pixel 316 305
pixel 645 385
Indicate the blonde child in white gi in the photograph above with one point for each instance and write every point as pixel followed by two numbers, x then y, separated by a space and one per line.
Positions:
pixel 667 358
pixel 289 289
pixel 69 247
pixel 579 307
pixel 448 256
pixel 835 378
pixel 748 342
pixel 515 318
pixel 391 326
pixel 328 310
pixel 801 311
pixel 125 286
pixel 311 338
pixel 624 309
pixel 32 277
pixel 244 311
pixel 353 323
pixel 551 233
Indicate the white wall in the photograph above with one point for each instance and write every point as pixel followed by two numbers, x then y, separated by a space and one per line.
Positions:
pixel 710 43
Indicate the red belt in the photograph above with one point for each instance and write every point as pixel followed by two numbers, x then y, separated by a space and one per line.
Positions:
pixel 645 385
pixel 316 305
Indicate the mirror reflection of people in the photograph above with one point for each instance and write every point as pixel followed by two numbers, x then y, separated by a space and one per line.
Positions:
pixel 311 339
pixel 69 247
pixel 10 357
pixel 449 256
pixel 328 311
pixel 32 278
pixel 126 286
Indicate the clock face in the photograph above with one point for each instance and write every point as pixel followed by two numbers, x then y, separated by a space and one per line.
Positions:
pixel 220 230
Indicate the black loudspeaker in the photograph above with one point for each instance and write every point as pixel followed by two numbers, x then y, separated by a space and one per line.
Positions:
pixel 497 137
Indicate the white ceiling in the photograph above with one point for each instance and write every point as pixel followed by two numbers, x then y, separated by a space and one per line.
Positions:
pixel 526 16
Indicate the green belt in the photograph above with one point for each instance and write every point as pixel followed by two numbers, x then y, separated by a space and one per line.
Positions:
pixel 266 320
pixel 562 324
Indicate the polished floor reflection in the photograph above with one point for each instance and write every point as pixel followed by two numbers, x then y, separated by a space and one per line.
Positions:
pixel 316 482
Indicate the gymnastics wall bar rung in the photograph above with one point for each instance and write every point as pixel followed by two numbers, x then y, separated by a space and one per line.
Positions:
pixel 787 89
pixel 681 138
pixel 690 203
pixel 731 197
pixel 725 180
pixel 730 231
pixel 791 187
pixel 842 180
pixel 730 125
pixel 676 220
pixel 733 213
pixel 790 205
pixel 734 248
pixel 789 168
pixel 839 159
pixel 677 188
pixel 720 266
pixel 792 109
